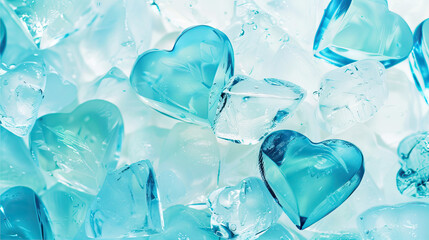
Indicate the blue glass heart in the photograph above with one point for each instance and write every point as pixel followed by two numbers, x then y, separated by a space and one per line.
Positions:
pixel 186 82
pixel 309 180
pixel 23 215
pixel 353 30
pixel 419 59
pixel 78 148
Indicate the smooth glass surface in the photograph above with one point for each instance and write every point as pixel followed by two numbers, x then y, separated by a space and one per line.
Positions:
pixel 78 148
pixel 309 180
pixel 353 30
pixel 186 82
pixel 23 215
pixel 419 59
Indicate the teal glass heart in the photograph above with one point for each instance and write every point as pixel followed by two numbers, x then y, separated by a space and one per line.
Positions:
pixel 419 59
pixel 353 30
pixel 186 82
pixel 78 148
pixel 309 180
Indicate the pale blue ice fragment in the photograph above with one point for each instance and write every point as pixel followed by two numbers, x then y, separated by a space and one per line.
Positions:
pixel 403 221
pixel 23 215
pixel 419 59
pixel 21 94
pixel 413 177
pixel 183 222
pixel 17 168
pixel 246 113
pixel 127 205
pixel 243 211
pixel 352 94
pixel 49 21
pixel 190 152
pixel 67 208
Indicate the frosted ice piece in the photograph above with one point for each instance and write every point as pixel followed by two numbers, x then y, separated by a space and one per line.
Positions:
pixel 352 94
pixel 23 215
pixel 78 148
pixel 190 152
pixel 353 30
pixel 412 178
pixel 49 21
pixel 397 222
pixel 336 236
pixel 17 168
pixel 114 87
pixel 184 14
pixel 277 231
pixel 261 47
pixel 183 222
pixel 243 211
pixel 127 204
pixel 14 44
pixel 400 114
pixel 299 18
pixel 246 113
pixel 419 59
pixel 122 31
pixel 67 209
pixel 21 94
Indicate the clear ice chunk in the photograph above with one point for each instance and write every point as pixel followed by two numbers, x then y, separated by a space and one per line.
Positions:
pixel 353 30
pixel 49 21
pixel 183 222
pixel 413 177
pixel 127 205
pixel 190 152
pixel 23 215
pixel 352 94
pixel 17 168
pixel 116 38
pixel 419 59
pixel 246 113
pixel 67 209
pixel 398 222
pixel 21 94
pixel 243 211
pixel 78 148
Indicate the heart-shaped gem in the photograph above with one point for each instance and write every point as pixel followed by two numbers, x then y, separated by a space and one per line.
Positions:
pixel 413 178
pixel 309 180
pixel 23 215
pixel 186 82
pixel 353 30
pixel 419 59
pixel 78 148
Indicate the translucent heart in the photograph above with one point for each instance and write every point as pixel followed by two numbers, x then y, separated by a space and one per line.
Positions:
pixel 78 148
pixel 186 82
pixel 309 180
pixel 419 59
pixel 23 215
pixel 353 30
